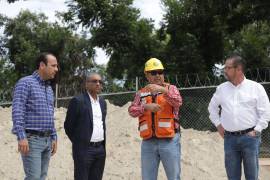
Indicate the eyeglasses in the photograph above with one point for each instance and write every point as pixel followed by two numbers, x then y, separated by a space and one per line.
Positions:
pixel 229 67
pixel 96 81
pixel 154 73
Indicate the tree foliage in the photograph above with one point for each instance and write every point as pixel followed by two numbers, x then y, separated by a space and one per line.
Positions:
pixel 253 43
pixel 115 26
pixel 199 30
pixel 29 34
pixel 194 35
pixel 192 38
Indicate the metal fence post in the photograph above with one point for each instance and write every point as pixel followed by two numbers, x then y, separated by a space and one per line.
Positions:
pixel 56 96
pixel 137 83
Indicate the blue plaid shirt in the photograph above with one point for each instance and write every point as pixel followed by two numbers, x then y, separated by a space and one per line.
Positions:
pixel 32 106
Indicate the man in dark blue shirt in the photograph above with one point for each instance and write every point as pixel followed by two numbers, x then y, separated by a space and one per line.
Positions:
pixel 33 118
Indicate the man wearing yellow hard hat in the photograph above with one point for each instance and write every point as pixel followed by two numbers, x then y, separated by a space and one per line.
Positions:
pixel 157 105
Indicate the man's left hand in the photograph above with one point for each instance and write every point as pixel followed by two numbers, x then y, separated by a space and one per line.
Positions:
pixel 154 88
pixel 253 133
pixel 54 147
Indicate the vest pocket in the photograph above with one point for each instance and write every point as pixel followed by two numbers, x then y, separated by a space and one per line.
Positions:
pixel 145 129
pixel 165 128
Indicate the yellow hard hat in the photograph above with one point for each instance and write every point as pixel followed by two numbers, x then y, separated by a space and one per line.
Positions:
pixel 153 64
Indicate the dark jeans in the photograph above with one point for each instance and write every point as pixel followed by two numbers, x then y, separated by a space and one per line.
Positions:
pixel 238 149
pixel 89 162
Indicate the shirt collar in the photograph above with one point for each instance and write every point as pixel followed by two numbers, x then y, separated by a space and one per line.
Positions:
pixel 243 82
pixel 37 76
pixel 239 85
pixel 92 99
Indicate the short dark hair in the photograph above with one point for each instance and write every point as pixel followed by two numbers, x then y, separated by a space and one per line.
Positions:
pixel 42 58
pixel 238 61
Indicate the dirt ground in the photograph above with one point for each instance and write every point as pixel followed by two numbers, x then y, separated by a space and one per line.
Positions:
pixel 202 156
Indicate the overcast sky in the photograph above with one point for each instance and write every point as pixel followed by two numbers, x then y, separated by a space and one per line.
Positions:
pixel 149 9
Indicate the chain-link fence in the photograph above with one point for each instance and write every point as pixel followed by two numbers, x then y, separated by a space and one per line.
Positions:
pixel 5 97
pixel 193 113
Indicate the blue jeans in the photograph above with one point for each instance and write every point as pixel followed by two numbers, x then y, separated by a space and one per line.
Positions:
pixel 238 149
pixel 167 151
pixel 36 162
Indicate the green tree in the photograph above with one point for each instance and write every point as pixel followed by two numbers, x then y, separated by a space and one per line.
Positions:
pixel 196 30
pixel 252 42
pixel 7 77
pixel 115 26
pixel 199 30
pixel 29 34
pixel 3 21
pixel 193 37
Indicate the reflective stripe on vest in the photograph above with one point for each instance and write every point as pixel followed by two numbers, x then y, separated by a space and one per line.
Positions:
pixel 164 124
pixel 143 127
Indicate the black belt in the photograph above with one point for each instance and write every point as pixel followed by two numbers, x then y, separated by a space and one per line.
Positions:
pixel 39 133
pixel 96 144
pixel 240 132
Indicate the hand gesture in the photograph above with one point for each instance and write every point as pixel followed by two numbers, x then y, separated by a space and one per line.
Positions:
pixel 154 88
pixel 153 107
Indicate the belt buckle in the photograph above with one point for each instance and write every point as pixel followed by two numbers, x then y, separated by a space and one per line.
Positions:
pixel 95 144
pixel 46 133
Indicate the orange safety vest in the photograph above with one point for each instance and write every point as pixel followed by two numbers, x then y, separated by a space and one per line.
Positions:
pixel 159 124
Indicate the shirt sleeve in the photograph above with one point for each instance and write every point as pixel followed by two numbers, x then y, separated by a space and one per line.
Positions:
pixel 20 96
pixel 263 109
pixel 73 112
pixel 214 109
pixel 54 135
pixel 173 97
pixel 136 108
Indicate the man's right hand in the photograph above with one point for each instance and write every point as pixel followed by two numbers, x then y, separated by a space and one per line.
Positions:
pixel 153 107
pixel 221 130
pixel 23 146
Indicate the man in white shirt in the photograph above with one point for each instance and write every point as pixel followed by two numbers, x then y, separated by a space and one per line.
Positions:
pixel 240 110
pixel 85 127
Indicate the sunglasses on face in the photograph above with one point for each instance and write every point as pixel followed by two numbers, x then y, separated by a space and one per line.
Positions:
pixel 96 81
pixel 154 73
